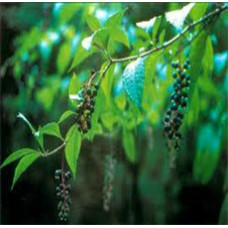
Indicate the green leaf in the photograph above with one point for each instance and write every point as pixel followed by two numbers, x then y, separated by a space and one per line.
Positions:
pixel 120 36
pixel 115 20
pixel 208 153
pixel 113 24
pixel 63 57
pixel 198 46
pixel 198 10
pixel 16 155
pixel 107 83
pixel 73 89
pixel 65 115
pixel 208 58
pixel 52 129
pixel 129 145
pixel 23 164
pixel 72 149
pixel 133 80
pixel 156 27
pixel 101 37
pixel 162 36
pixel 193 113
pixel 120 101
pixel 93 22
pixel 67 12
pixel 20 115
pixel 208 86
pixel 177 17
pixel 150 93
pixel 80 56
pixel 112 46
pixel 109 119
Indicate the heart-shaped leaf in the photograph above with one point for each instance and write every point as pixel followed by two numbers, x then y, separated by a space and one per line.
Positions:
pixel 133 81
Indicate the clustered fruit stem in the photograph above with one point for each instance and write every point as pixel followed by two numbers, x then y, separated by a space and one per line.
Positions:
pixel 85 107
pixel 63 193
pixel 175 113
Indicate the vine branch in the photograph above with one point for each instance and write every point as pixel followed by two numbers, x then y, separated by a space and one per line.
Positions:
pixel 57 149
pixel 54 151
pixel 216 12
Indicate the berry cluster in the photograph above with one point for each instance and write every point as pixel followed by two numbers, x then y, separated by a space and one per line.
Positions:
pixel 175 113
pixel 85 107
pixel 108 181
pixel 63 194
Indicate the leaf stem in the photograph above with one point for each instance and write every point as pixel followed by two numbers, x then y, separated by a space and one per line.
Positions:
pixel 106 69
pixel 54 151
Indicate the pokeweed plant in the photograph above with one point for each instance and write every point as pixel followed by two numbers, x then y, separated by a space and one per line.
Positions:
pixel 94 106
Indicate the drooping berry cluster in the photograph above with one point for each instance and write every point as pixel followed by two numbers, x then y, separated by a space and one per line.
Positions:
pixel 108 181
pixel 85 107
pixel 63 194
pixel 175 113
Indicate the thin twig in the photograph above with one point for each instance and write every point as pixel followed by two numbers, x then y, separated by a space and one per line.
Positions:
pixel 92 77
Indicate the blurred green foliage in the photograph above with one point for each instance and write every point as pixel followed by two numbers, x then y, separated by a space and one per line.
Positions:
pixel 56 48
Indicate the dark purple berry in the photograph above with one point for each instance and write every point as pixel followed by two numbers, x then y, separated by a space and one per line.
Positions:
pixel 167 119
pixel 185 66
pixel 175 64
pixel 187 61
pixel 167 128
pixel 174 75
pixel 182 75
pixel 88 92
pixel 180 115
pixel 96 86
pixel 184 104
